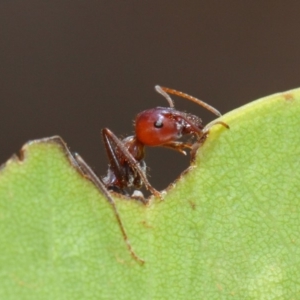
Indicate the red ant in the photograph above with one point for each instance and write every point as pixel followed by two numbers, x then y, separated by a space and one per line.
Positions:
pixel 160 126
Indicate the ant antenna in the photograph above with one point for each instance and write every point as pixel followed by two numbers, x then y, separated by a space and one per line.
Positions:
pixel 161 91
pixel 164 90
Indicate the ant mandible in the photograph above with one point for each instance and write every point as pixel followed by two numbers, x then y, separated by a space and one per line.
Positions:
pixel 160 126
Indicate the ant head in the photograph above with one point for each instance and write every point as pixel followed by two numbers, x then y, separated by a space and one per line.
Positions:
pixel 161 125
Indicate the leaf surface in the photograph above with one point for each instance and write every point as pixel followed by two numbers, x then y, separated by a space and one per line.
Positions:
pixel 228 229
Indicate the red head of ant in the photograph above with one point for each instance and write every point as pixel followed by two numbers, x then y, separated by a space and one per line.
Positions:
pixel 162 126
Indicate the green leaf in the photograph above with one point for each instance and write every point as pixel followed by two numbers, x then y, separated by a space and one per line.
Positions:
pixel 228 229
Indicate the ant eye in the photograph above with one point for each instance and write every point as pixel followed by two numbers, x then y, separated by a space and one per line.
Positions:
pixel 158 124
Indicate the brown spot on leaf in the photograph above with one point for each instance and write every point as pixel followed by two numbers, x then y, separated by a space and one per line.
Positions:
pixel 21 155
pixel 288 97
pixel 193 205
pixel 146 224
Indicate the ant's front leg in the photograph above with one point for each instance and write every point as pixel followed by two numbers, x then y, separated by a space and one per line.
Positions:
pixel 178 146
pixel 125 168
pixel 86 169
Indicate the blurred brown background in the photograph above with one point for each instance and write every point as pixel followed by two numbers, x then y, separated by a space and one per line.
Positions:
pixel 73 67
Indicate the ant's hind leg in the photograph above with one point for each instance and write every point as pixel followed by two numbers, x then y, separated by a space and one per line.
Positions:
pixel 110 138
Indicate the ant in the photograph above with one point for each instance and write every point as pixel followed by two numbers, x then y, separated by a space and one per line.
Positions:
pixel 160 126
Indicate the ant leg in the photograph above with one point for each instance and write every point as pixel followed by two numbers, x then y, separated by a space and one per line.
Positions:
pixel 178 146
pixel 197 145
pixel 114 160
pixel 134 164
pixel 100 185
